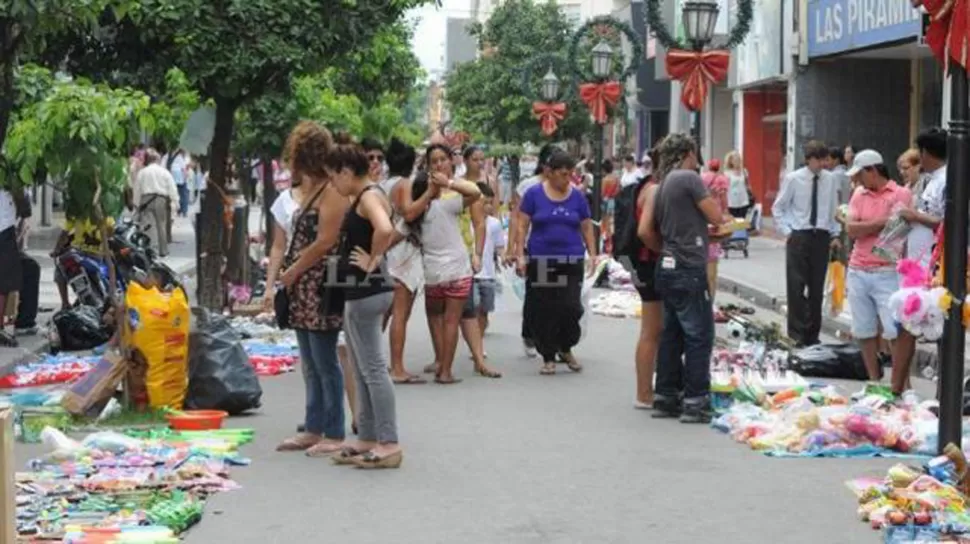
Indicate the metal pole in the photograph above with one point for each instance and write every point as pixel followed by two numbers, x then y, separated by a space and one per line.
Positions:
pixel 695 130
pixel 955 260
pixel 598 184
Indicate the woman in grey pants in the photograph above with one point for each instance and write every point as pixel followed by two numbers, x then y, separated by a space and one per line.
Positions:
pixel 366 234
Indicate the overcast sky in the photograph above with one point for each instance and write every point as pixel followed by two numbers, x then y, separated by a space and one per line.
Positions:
pixel 429 37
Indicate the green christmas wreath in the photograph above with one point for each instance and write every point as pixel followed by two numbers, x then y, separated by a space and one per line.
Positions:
pixel 604 24
pixel 737 35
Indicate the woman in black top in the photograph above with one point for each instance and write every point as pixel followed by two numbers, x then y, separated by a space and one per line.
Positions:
pixel 366 234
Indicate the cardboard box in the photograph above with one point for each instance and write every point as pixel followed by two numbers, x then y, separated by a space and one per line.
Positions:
pixel 8 493
pixel 97 385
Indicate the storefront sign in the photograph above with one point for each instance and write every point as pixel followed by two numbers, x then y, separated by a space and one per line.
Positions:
pixel 836 26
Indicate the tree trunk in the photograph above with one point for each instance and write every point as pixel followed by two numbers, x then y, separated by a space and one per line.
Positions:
pixel 211 224
pixel 269 197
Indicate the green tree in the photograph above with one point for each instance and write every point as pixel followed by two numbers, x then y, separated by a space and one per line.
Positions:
pixel 233 52
pixel 25 26
pixel 173 108
pixel 485 96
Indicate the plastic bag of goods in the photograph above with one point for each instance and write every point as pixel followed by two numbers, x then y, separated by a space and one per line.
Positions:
pixel 221 376
pixel 157 330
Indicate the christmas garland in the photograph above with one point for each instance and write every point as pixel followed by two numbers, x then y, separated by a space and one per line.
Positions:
pixel 559 66
pixel 737 35
pixel 604 26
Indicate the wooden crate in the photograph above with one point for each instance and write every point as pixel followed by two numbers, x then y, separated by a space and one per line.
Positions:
pixel 8 499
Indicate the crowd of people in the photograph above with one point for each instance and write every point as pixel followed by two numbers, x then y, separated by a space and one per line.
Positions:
pixel 845 197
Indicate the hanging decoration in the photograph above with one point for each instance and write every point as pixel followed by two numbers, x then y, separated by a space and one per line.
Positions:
pixel 549 114
pixel 599 96
pixel 602 95
pixel 949 29
pixel 697 70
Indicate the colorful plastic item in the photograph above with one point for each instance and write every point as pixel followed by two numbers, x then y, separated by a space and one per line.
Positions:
pixel 197 420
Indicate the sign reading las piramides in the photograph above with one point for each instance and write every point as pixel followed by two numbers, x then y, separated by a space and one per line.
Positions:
pixel 836 26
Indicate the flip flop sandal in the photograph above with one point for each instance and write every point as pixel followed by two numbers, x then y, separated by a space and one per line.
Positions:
pixel 346 456
pixel 411 379
pixel 298 443
pixel 371 460
pixel 323 450
pixel 447 381
pixel 488 373
pixel 548 369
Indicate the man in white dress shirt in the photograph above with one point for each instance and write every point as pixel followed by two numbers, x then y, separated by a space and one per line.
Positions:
pixel 804 211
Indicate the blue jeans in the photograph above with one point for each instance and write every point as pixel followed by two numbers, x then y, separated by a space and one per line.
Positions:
pixel 688 334
pixel 183 199
pixel 324 383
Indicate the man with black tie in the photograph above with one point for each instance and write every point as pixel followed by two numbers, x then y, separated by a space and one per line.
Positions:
pixel 805 212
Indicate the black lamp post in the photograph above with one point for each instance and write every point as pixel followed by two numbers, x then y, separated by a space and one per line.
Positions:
pixel 955 259
pixel 602 55
pixel 700 19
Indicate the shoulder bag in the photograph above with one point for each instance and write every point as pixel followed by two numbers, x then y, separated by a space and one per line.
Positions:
pixel 281 301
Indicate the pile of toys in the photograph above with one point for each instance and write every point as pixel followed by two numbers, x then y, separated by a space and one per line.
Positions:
pixel 130 485
pixel 807 422
pixel 49 370
pixel 926 504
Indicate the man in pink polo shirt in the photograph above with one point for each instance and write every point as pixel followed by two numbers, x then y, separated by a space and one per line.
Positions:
pixel 872 279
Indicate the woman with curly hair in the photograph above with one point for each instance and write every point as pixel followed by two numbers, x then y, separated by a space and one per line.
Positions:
pixel 316 230
pixel 677 223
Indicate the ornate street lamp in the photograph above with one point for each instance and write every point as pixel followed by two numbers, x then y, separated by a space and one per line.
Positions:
pixel 700 19
pixel 550 86
pixel 603 87
pixel 602 59
pixel 943 31
pixel 695 68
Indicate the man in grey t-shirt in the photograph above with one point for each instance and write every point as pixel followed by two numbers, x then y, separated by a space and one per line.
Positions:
pixel 682 210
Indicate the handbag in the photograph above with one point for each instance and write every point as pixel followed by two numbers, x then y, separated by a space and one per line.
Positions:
pixel 281 300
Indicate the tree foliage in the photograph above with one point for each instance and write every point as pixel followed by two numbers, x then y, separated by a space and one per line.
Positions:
pixel 485 96
pixel 172 109
pixel 79 132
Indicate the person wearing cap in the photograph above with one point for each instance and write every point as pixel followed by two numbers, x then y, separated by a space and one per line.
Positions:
pixel 804 211
pixel 872 279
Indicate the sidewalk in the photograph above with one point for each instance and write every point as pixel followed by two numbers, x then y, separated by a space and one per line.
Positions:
pixel 760 279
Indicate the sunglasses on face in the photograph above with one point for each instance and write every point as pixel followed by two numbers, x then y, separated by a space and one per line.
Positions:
pixel 375 157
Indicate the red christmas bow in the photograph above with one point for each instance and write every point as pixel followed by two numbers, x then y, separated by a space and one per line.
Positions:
pixel 598 96
pixel 949 28
pixel 549 114
pixel 696 70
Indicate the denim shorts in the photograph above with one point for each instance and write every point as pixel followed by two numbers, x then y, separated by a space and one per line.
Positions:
pixel 481 299
pixel 868 296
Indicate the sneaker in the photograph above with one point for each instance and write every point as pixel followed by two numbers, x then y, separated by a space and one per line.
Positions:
pixel 696 410
pixel 666 407
pixel 25 331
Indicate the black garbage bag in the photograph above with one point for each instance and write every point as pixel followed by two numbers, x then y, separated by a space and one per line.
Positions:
pixel 79 328
pixel 840 361
pixel 220 376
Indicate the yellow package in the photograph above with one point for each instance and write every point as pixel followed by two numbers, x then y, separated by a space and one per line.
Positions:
pixel 157 326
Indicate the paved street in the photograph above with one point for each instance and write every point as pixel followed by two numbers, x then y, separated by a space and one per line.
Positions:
pixel 532 459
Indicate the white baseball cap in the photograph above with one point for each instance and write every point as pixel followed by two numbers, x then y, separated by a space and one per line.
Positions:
pixel 864 159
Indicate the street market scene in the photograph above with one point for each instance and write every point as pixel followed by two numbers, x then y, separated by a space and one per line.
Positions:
pixel 484 271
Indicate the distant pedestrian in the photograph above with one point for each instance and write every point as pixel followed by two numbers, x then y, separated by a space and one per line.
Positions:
pixel 631 173
pixel 682 212
pixel 561 236
pixel 805 212
pixel 179 168
pixel 838 168
pixel 739 190
pixel 872 279
pixel 26 321
pixel 717 185
pixel 375 156
pixel 155 195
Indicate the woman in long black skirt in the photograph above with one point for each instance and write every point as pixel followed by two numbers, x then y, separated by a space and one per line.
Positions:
pixel 561 234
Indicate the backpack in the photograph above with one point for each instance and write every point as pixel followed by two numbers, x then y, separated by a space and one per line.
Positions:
pixel 626 243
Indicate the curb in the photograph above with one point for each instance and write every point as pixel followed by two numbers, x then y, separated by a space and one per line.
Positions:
pixel 926 358
pixel 187 270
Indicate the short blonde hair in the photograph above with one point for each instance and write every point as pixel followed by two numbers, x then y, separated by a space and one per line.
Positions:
pixel 732 161
pixel 911 156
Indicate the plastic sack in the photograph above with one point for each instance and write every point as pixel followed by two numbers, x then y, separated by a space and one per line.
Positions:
pixel 112 442
pixel 889 245
pixel 842 361
pixel 80 328
pixel 220 375
pixel 157 326
pixel 836 286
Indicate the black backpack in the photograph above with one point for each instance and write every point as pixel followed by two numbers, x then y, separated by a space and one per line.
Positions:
pixel 626 243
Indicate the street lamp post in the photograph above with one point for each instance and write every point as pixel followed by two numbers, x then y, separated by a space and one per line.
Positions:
pixel 550 86
pixel 699 19
pixel 602 62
